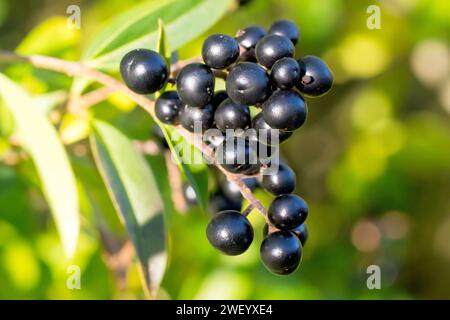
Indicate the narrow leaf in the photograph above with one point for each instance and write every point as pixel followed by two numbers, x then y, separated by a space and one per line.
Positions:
pixel 134 192
pixel 41 141
pixel 138 28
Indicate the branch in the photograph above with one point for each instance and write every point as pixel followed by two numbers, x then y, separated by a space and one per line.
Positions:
pixel 89 99
pixel 77 69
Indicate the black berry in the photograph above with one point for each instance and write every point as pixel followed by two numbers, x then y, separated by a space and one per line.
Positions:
pixel 219 51
pixel 317 78
pixel 143 71
pixel 281 252
pixel 232 191
pixel 301 232
pixel 230 232
pixel 230 115
pixel 286 28
pixel 267 135
pixel 167 107
pixel 281 182
pixel 285 110
pixel 287 211
pixel 285 73
pixel 219 202
pixel 272 48
pixel 195 85
pixel 204 117
pixel 249 37
pixel 248 83
pixel 236 156
pixel 218 98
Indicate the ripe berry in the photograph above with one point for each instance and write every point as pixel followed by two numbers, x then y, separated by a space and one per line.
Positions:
pixel 287 211
pixel 317 78
pixel 267 135
pixel 230 115
pixel 218 98
pixel 248 83
pixel 190 195
pixel 219 51
pixel 281 252
pixel 285 110
pixel 281 182
pixel 167 107
pixel 285 73
pixel 204 117
pixel 232 191
pixel 272 48
pixel 301 232
pixel 236 156
pixel 195 85
pixel 230 232
pixel 249 37
pixel 286 28
pixel 143 71
pixel 219 202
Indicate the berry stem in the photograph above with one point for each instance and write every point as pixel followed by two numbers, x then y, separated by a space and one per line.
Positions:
pixel 247 210
pixel 77 69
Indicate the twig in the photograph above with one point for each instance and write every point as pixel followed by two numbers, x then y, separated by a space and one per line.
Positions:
pixel 148 147
pixel 89 99
pixel 247 210
pixel 78 69
pixel 176 182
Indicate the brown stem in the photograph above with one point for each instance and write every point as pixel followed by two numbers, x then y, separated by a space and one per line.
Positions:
pixel 89 99
pixel 176 182
pixel 78 69
pixel 247 210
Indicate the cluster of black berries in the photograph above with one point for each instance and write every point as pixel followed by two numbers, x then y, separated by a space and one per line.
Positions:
pixel 260 72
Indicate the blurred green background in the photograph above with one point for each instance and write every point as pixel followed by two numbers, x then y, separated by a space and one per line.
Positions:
pixel 373 162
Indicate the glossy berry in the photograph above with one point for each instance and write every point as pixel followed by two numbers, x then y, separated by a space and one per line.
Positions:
pixel 236 155
pixel 287 212
pixel 285 73
pixel 218 98
pixel 301 232
pixel 285 110
pixel 230 232
pixel 232 191
pixel 249 37
pixel 281 182
pixel 272 48
pixel 281 252
pixel 195 85
pixel 267 135
pixel 286 28
pixel 204 117
pixel 220 202
pixel 220 51
pixel 143 71
pixel 190 195
pixel 230 115
pixel 248 83
pixel 317 79
pixel 167 107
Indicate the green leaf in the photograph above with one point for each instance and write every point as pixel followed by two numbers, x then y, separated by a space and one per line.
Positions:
pixel 196 174
pixel 135 195
pixel 138 28
pixel 41 141
pixel 162 46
